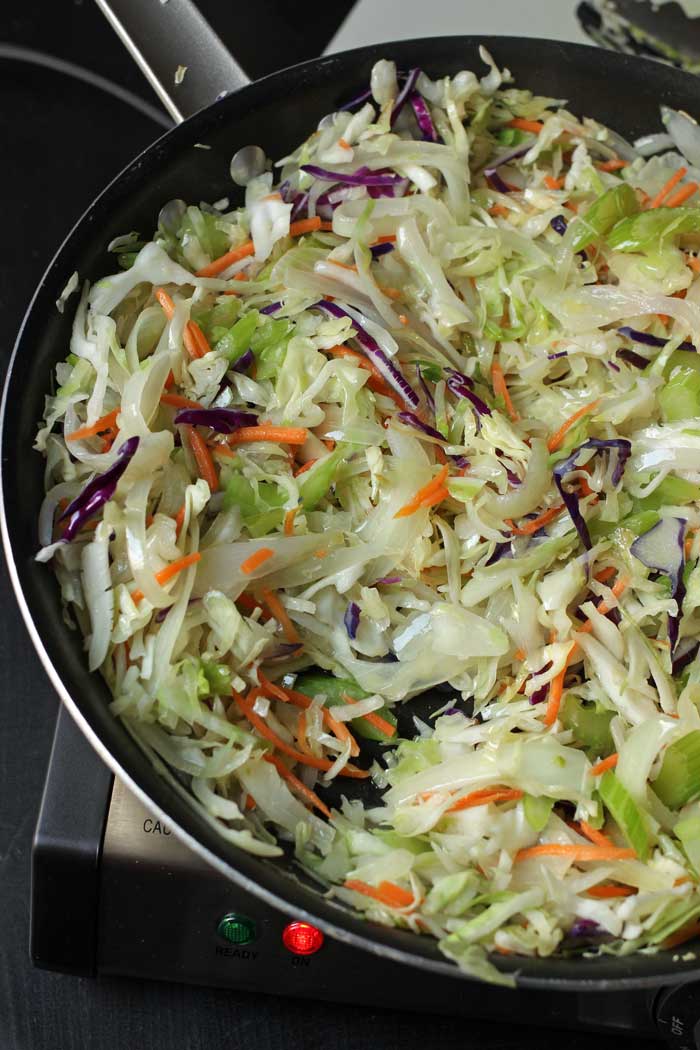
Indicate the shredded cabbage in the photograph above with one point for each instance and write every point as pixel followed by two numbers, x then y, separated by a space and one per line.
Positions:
pixel 421 412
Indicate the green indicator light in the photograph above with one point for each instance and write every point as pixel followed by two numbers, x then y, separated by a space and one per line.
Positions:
pixel 236 929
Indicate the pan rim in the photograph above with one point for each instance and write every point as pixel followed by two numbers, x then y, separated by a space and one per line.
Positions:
pixel 370 940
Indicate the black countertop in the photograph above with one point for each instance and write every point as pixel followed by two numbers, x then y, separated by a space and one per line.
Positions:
pixel 63 141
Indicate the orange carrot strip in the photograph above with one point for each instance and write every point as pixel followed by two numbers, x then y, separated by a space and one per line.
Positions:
pixel 387 893
pixel 217 266
pixel 682 195
pixel 484 796
pixel 532 526
pixel 605 574
pixel 386 238
pixel 299 786
pixel 686 933
pixel 291 696
pixel 266 432
pixel 535 126
pixel 612 165
pixel 177 401
pixel 693 262
pixel 557 438
pixel 553 184
pixel 602 767
pixel 595 836
pixel 605 892
pixel 205 464
pixel 296 229
pixel 343 266
pixel 438 482
pixel 498 210
pixel 668 186
pixel 282 616
pixel 328 227
pixel 289 521
pixel 248 604
pixel 575 853
pixel 168 572
pixel 256 560
pixel 165 301
pixel 199 338
pixel 374 719
pixel 500 389
pixel 179 519
pixel 604 608
pixel 190 342
pixel 306 466
pixel 556 689
pixel 107 422
pixel 307 760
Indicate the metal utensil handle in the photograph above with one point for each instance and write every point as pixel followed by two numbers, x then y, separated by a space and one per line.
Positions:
pixel 163 35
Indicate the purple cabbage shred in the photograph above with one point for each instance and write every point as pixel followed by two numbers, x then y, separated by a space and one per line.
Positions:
pixel 352 619
pixel 97 492
pixel 222 420
pixel 558 224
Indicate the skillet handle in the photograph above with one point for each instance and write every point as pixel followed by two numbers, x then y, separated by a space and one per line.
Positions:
pixel 164 34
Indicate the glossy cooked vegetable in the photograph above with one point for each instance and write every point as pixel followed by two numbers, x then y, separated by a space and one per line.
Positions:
pixel 420 412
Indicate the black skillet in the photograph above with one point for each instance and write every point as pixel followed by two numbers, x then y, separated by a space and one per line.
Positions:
pixel 276 113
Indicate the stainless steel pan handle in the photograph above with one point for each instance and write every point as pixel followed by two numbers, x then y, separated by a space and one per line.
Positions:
pixel 163 35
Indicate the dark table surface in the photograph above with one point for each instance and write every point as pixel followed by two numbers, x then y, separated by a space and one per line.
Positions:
pixel 63 140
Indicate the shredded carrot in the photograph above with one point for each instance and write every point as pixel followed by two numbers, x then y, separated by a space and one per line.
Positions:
pixel 595 836
pixel 373 718
pixel 248 603
pixel 169 380
pixel 296 229
pixel 282 616
pixel 535 126
pixel 202 455
pixel 195 340
pixel 343 266
pixel 256 560
pixel 217 266
pixel 165 301
pixel 307 760
pixel 179 520
pixel 344 144
pixel 667 187
pixel 484 796
pixel 602 767
pixel 553 184
pixel 403 319
pixel 329 443
pixel 267 432
pixel 166 574
pixel 604 608
pixel 387 893
pixel 328 227
pixel 223 450
pixel 306 466
pixel 557 438
pixel 107 422
pixel 693 262
pixel 299 786
pixel 556 689
pixel 606 892
pixel 177 401
pixel 612 165
pixel 682 195
pixel 250 802
pixel 424 493
pixel 519 654
pixel 391 293
pixel 302 740
pixel 575 853
pixel 289 521
pixel 532 526
pixel 377 382
pixel 498 209
pixel 321 553
pixel 686 933
pixel 500 389
pixel 386 238
pixel 605 574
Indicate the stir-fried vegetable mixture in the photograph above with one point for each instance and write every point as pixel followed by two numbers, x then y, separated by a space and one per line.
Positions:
pixel 423 411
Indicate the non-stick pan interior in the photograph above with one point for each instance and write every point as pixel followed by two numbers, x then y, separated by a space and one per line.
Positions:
pixel 192 162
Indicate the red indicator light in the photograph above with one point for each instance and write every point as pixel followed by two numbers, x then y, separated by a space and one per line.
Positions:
pixel 302 938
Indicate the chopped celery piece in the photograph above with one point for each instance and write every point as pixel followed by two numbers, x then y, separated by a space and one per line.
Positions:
pixel 672 491
pixel 317 481
pixel 625 812
pixel 680 397
pixel 589 723
pixel 537 809
pixel 127 259
pixel 677 914
pixel 682 359
pixel 688 831
pixel 333 689
pixel 511 136
pixel 417 844
pixel 218 676
pixel 238 338
pixel 269 344
pixel 679 780
pixel 453 894
pixel 652 230
pixel 205 228
pixel 430 371
pixel 615 204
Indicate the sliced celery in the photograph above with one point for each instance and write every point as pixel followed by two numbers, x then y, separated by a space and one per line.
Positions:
pixel 614 205
pixel 334 689
pixel 679 780
pixel 626 813
pixel 680 397
pixel 651 230
pixel 688 831
pixel 589 723
pixel 537 810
